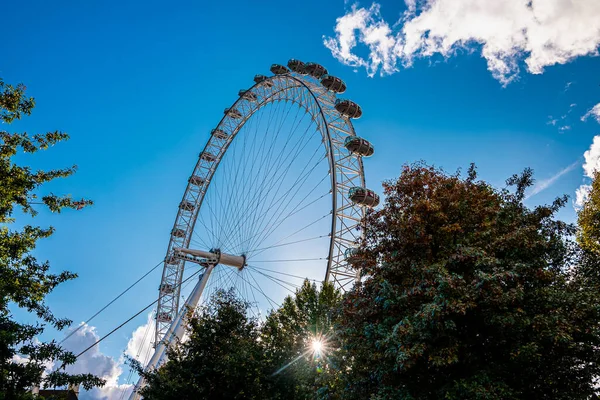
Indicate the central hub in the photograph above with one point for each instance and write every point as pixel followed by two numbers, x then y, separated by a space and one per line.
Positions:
pixel 214 256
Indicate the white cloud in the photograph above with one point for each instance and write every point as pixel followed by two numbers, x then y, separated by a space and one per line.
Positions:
pixel 590 165
pixel 594 112
pixel 581 195
pixel 546 183
pixel 95 362
pixel 568 86
pixel 139 346
pixel 541 33
pixel 592 158
pixel 564 128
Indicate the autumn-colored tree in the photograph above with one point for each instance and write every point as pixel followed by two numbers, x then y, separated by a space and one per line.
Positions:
pixel 468 294
pixel 25 281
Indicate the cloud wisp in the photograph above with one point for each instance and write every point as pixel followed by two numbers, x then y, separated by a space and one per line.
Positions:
pixel 540 33
pixel 593 112
pixel 544 184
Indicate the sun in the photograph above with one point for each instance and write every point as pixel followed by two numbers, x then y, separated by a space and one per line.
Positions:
pixel 317 346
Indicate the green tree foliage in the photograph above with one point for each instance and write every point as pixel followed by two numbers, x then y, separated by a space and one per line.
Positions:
pixel 468 294
pixel 589 219
pixel 222 359
pixel 287 336
pixel 25 281
pixel 231 356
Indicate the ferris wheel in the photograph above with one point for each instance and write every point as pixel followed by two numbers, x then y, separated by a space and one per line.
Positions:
pixel 277 195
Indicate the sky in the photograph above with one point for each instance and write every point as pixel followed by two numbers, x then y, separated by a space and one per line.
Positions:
pixel 139 85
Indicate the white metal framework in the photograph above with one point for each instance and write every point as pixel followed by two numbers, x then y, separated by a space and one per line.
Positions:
pixel 344 171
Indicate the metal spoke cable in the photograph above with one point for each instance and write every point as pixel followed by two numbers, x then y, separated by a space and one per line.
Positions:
pixel 274 202
pixel 277 282
pixel 283 200
pixel 262 159
pixel 289 243
pixel 223 174
pixel 293 212
pixel 270 178
pixel 291 260
pixel 282 273
pixel 131 318
pixel 111 302
pixel 270 300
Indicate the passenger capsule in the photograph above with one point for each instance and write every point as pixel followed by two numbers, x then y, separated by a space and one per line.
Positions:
pixel 278 69
pixel 219 134
pixel 333 83
pixel 364 197
pixel 186 205
pixel 178 232
pixel 359 146
pixel 166 288
pixel 163 317
pixel 348 108
pixel 316 70
pixel 263 79
pixel 196 180
pixel 247 95
pixel 208 157
pixel 297 66
pixel 233 113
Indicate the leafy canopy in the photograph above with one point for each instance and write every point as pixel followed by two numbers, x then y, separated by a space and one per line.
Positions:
pixel 231 356
pixel 26 281
pixel 468 294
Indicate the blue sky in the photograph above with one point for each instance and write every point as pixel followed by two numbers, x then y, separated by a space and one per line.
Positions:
pixel 139 85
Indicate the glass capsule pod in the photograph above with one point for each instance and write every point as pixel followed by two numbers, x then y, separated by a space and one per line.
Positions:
pixel 178 232
pixel 186 205
pixel 196 180
pixel 348 108
pixel 233 112
pixel 363 196
pixel 247 95
pixel 166 288
pixel 219 134
pixel 208 157
pixel 333 83
pixel 163 317
pixel 359 146
pixel 315 70
pixel 263 79
pixel 278 69
pixel 297 66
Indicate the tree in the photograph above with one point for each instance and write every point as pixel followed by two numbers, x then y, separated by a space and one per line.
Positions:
pixel 588 236
pixel 231 356
pixel 468 294
pixel 589 219
pixel 298 370
pixel 25 281
pixel 221 360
